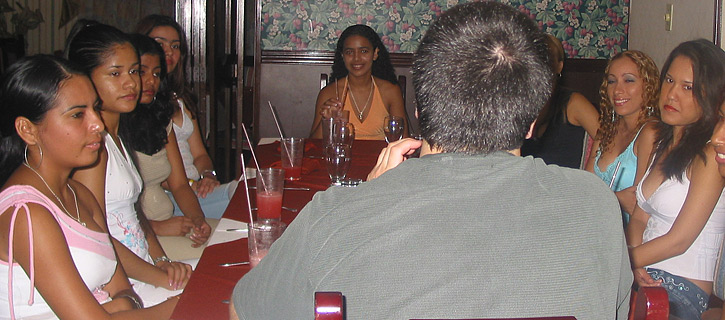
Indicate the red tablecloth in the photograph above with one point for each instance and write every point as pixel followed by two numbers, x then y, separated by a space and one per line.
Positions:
pixel 208 292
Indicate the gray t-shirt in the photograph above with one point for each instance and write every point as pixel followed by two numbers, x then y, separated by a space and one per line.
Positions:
pixel 451 236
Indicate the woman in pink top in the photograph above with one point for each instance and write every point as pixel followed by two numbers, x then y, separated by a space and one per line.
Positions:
pixel 49 223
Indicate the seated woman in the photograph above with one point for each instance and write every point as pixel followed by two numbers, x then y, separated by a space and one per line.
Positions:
pixel 629 115
pixel 107 56
pixel 147 131
pixel 213 196
pixel 718 144
pixel 54 230
pixel 369 89
pixel 677 226
pixel 559 133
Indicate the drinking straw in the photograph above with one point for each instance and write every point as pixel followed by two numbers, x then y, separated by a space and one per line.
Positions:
pixel 279 129
pixel 246 189
pixel 344 96
pixel 256 163
pixel 614 176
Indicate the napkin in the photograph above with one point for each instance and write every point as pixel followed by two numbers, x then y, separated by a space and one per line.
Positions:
pixel 308 165
pixel 221 235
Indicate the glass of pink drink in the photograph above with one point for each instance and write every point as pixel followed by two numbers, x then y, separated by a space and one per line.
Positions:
pixel 260 238
pixel 292 151
pixel 270 188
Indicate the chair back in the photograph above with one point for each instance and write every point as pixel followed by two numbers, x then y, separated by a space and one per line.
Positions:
pixel 649 303
pixel 329 306
pixel 537 318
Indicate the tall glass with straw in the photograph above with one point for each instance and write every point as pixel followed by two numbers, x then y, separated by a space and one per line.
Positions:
pixel 263 232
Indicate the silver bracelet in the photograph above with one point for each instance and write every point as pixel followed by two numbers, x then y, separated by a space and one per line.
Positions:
pixel 135 301
pixel 162 258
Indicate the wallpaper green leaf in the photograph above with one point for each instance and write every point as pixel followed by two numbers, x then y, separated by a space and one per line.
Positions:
pixel 587 28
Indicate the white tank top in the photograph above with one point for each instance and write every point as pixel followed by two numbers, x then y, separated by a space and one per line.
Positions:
pixel 183 134
pixel 663 206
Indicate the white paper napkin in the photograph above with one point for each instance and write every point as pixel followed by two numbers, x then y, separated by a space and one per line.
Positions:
pixel 228 230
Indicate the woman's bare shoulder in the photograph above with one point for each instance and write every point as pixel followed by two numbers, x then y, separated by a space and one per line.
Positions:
pixel 385 84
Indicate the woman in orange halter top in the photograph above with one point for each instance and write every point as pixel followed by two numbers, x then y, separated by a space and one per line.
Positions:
pixel 367 85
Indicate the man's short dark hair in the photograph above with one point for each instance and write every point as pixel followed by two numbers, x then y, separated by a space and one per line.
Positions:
pixel 481 75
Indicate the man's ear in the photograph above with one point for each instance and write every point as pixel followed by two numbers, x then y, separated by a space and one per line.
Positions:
pixel 27 130
pixel 531 130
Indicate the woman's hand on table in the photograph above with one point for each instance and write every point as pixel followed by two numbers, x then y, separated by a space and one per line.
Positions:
pixel 178 273
pixel 174 226
pixel 200 234
pixel 204 186
pixel 643 278
pixel 393 155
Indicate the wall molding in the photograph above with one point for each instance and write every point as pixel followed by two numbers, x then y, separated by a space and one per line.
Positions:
pixel 402 60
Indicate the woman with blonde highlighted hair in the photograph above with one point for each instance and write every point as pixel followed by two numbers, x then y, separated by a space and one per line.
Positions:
pixel 627 116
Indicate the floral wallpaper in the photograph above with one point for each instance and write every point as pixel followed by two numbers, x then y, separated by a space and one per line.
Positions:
pixel 587 28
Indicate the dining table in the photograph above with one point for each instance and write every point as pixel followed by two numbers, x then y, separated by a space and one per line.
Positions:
pixel 208 293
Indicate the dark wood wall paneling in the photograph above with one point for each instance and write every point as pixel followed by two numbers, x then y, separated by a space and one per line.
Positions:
pixel 290 81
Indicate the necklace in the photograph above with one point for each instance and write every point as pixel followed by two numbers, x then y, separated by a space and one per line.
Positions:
pixel 75 199
pixel 354 102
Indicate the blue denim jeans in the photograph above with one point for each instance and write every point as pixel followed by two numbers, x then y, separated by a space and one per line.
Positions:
pixel 213 205
pixel 687 300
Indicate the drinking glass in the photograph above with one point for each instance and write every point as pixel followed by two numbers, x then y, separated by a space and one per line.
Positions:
pixel 338 157
pixel 260 236
pixel 343 132
pixel 328 125
pixel 393 127
pixel 270 189
pixel 291 155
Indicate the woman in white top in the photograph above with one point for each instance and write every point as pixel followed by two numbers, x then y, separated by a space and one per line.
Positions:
pixel 106 54
pixel 57 256
pixel 678 224
pixel 213 196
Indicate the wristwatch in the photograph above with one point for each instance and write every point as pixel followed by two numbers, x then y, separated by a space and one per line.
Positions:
pixel 208 173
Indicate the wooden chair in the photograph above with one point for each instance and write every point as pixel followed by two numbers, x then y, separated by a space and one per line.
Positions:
pixel 649 303
pixel 329 306
pixel 537 318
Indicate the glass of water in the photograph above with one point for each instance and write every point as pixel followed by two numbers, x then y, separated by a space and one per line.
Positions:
pixel 338 156
pixel 393 127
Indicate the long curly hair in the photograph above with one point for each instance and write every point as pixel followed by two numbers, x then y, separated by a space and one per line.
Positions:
pixel 144 128
pixel 382 67
pixel 608 119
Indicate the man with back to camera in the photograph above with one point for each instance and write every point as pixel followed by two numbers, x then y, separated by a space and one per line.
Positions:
pixel 470 229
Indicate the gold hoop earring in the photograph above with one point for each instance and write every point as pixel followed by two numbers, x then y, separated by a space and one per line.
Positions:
pixel 25 155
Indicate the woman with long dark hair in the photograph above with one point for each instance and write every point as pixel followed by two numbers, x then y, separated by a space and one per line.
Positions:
pixel 212 196
pixel 364 78
pixel 111 62
pixel 147 130
pixel 677 229
pixel 53 228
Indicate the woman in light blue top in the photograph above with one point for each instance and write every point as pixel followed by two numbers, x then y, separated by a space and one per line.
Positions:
pixel 626 135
